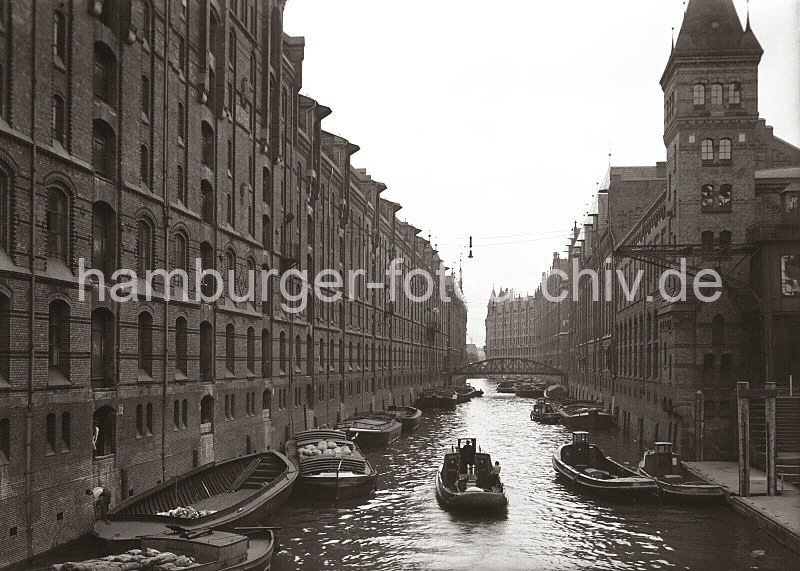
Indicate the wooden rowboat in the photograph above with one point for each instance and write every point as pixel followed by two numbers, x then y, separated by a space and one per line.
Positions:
pixel 408 416
pixel 583 416
pixel 372 430
pixel 330 477
pixel 589 468
pixel 674 481
pixel 238 492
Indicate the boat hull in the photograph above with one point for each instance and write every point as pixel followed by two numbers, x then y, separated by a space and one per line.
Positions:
pixel 410 422
pixel 595 419
pixel 546 418
pixel 373 438
pixel 469 501
pixel 531 393
pixel 333 489
pixel 687 493
pixel 125 530
pixel 631 488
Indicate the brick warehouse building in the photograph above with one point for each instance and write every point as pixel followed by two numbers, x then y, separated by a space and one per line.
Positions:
pixel 144 134
pixel 727 198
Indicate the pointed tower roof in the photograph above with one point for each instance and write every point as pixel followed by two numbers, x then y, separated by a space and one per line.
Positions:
pixel 713 26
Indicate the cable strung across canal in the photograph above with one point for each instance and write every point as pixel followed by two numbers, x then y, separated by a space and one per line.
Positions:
pixel 548 525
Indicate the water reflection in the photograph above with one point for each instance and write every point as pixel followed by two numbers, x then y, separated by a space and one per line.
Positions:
pixel 548 525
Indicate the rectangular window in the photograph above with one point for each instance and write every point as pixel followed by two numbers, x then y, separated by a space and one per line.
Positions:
pixel 790 275
pixel 5 440
pixel 66 432
pixel 51 434
pixel 791 202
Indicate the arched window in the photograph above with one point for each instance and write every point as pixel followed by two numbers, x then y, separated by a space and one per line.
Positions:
pixel 213 25
pixel 707 150
pixel 718 331
pixel 266 186
pixel 332 354
pixel 103 239
pixel 207 263
pixel 104 421
pixel 66 431
pixel 144 165
pixel 181 257
pixel 266 400
pixel 231 48
pixel 251 350
pixel 207 134
pixel 57 224
pixel 147 21
pixel 266 354
pixel 734 94
pixel 716 94
pixel 725 238
pixel 60 36
pixel 309 355
pixel 104 82
pixel 206 351
pixel 5 210
pixel 310 229
pixel 699 94
pixel 181 185
pixel 146 343
pixel 146 97
pixel 230 348
pixel 144 248
pixel 207 197
pixel 322 350
pixel 266 233
pixel 298 353
pixel 230 269
pixel 181 346
pixel 725 149
pixel 58 341
pixel 104 145
pixel 58 125
pixel 181 123
pixel 282 352
pixel 211 101
pixel 5 339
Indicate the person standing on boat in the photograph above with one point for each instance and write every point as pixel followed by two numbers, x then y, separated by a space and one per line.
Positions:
pixel 495 474
pixel 102 498
pixel 468 455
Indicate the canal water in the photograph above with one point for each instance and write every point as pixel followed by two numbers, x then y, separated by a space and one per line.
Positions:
pixel 548 525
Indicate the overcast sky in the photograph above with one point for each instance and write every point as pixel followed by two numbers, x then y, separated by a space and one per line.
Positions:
pixel 495 118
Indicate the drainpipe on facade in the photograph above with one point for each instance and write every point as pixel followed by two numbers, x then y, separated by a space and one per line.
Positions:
pixel 31 312
pixel 164 178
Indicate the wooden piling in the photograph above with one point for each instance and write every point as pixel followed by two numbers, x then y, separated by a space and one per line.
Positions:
pixel 743 405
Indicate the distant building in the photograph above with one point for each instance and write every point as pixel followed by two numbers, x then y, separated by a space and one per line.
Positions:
pixel 727 198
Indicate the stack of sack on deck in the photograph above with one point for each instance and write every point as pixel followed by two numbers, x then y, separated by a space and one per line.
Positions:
pixel 133 560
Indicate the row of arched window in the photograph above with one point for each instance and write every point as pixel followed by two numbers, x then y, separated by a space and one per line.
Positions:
pixel 724 152
pixel 715 94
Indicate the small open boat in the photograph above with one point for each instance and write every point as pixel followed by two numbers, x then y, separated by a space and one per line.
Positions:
pixel 586 465
pixel 237 549
pixel 555 392
pixel 408 416
pixel 544 413
pixel 674 481
pixel 477 489
pixel 465 393
pixel 529 390
pixel 437 398
pixel 508 387
pixel 583 416
pixel 238 492
pixel 329 476
pixel 203 549
pixel 372 429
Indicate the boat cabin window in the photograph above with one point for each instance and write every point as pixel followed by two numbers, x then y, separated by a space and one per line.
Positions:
pixel 663 448
pixel 580 437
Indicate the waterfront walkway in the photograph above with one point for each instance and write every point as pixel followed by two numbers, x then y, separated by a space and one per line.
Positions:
pixel 777 515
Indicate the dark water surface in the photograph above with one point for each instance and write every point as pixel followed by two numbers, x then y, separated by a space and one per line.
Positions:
pixel 548 525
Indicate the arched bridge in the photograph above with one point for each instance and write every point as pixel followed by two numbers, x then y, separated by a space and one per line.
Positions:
pixel 508 366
